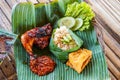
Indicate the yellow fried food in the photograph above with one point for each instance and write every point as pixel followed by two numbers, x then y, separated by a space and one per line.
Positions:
pixel 79 59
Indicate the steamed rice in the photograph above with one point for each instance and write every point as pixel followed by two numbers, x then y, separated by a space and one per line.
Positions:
pixel 58 36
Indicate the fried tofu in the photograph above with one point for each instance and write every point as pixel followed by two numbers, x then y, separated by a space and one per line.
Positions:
pixel 79 59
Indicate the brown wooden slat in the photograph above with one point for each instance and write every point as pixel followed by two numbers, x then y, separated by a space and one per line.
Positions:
pixel 111 42
pixel 111 32
pixel 114 60
pixel 109 11
pixel 112 10
pixel 12 59
pixel 113 69
pixel 13 77
pixel 99 35
pixel 4 22
pixel 6 9
pixel 112 76
pixel 2 76
pixel 7 67
pixel 11 3
pixel 105 35
pixel 21 0
pixel 1 27
pixel 115 8
pixel 105 17
pixel 111 55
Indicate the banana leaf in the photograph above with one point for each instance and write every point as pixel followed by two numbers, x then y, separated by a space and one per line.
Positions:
pixel 11 35
pixel 62 55
pixel 26 16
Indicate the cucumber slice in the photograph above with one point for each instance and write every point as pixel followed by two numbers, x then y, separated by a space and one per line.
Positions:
pixel 78 24
pixel 69 22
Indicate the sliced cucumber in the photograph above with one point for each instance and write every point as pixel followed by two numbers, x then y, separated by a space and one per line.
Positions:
pixel 78 24
pixel 69 22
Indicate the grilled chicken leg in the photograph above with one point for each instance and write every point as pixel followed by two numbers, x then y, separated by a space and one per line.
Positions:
pixel 38 36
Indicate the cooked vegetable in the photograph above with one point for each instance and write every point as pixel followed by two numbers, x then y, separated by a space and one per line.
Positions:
pixel 79 59
pixel 78 24
pixel 63 41
pixel 69 22
pixel 81 10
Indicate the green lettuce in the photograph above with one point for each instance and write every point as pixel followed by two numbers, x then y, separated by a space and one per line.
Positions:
pixel 62 55
pixel 81 10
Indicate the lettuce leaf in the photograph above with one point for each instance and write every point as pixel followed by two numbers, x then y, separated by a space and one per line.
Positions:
pixel 81 10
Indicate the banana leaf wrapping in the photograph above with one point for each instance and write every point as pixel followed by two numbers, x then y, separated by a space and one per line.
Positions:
pixel 26 16
pixel 62 55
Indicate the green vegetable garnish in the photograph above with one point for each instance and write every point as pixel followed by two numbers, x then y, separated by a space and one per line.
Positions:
pixel 78 24
pixel 81 10
pixel 69 22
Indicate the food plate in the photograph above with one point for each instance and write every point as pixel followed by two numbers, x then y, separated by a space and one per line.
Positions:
pixel 26 16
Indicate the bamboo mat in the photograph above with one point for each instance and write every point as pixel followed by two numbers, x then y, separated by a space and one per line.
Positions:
pixel 107 28
pixel 108 31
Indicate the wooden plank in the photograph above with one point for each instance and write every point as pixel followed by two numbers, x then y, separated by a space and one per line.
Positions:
pixel 112 76
pixel 13 77
pixel 21 0
pixel 113 69
pixel 108 52
pixel 7 67
pixel 115 8
pixel 11 3
pixel 99 35
pixel 112 58
pixel 110 41
pixel 108 10
pixel 111 32
pixel 11 55
pixel 4 22
pixel 6 9
pixel 105 17
pixel 2 76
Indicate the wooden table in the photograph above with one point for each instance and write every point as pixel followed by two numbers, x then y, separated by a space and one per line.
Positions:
pixel 107 27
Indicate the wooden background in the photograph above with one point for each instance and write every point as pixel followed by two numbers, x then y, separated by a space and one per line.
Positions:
pixel 107 25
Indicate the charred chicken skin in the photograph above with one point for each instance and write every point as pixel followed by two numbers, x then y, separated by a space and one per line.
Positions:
pixel 42 65
pixel 39 36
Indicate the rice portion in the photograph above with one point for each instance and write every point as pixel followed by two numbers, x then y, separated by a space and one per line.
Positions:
pixel 59 36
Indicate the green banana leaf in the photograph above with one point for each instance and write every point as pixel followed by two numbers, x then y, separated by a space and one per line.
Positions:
pixel 26 16
pixel 61 54
pixel 11 35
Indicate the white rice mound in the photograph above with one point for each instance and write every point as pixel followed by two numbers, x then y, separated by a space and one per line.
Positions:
pixel 58 36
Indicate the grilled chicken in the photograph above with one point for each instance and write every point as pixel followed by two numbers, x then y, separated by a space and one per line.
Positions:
pixel 38 36
pixel 42 65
